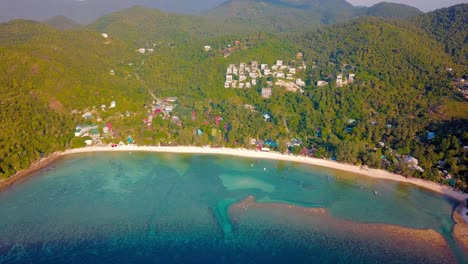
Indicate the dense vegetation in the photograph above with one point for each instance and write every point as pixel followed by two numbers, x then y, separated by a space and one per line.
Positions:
pixel 401 93
pixel 450 27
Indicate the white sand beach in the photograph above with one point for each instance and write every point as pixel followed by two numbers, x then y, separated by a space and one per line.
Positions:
pixel 381 174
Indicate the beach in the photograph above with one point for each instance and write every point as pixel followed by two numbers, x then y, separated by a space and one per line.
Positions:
pixel 238 152
pixel 374 173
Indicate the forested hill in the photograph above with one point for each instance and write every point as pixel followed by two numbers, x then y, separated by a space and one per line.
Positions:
pixel 392 10
pixel 402 90
pixel 62 23
pixel 140 25
pixel 45 74
pixel 449 26
pixel 284 15
pixel 290 15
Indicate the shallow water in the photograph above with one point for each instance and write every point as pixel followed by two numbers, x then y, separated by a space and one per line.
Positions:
pixel 173 208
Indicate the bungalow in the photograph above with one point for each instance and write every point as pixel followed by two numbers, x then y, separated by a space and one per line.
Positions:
pixel 241 85
pixel 112 104
pixel 254 81
pixel 248 85
pixel 229 78
pixel 141 50
pixel 87 115
pixel 289 76
pixel 279 63
pixel 94 133
pixel 300 82
pixel 299 55
pixel 242 78
pixel 339 80
pixel 280 75
pixel 292 70
pixel 78 131
pixel 171 99
pixel 263 66
pixel 266 92
pixel 254 65
pixel 104 35
pixel 207 48
pixel 322 83
pixel 411 160
pixel 267 72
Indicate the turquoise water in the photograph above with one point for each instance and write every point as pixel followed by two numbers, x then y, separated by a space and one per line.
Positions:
pixel 174 208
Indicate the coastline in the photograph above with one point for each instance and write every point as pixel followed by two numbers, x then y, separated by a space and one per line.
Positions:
pixel 37 165
pixel 374 173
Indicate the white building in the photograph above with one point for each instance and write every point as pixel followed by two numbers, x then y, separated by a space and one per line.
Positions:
pixel 112 105
pixel 322 83
pixel 300 82
pixel 266 92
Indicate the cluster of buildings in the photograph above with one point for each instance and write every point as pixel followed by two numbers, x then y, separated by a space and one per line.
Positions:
pixel 344 80
pixel 164 108
pixel 341 80
pixel 462 86
pixel 248 75
pixel 145 50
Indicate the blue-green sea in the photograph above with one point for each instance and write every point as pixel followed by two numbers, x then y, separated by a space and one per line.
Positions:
pixel 178 208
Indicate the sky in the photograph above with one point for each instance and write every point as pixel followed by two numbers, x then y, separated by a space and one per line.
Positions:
pixel 423 5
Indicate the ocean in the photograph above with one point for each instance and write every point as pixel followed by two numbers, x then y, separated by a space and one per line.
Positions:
pixel 184 208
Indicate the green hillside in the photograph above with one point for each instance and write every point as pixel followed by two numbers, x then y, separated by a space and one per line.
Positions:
pixel 283 16
pixel 62 23
pixel 449 26
pixel 19 31
pixel 143 26
pixel 45 76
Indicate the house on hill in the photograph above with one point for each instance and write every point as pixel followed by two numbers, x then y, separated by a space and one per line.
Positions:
pixel 322 83
pixel 266 92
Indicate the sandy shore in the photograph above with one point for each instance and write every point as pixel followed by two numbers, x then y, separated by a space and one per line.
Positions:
pixel 381 174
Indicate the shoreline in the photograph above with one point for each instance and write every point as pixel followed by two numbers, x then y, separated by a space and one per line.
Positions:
pixel 373 173
pixel 36 166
